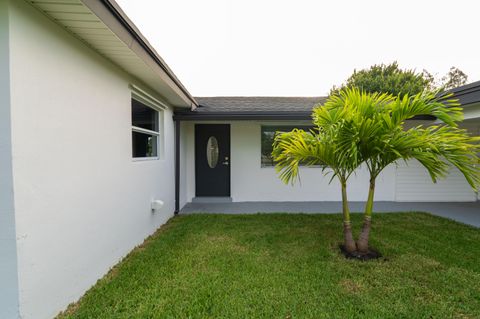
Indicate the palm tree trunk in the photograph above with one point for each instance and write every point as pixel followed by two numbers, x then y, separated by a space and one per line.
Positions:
pixel 362 243
pixel 349 243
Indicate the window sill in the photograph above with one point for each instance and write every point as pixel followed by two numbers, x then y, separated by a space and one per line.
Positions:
pixel 143 159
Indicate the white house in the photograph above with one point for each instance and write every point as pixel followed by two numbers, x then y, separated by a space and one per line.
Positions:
pixel 100 144
pixel 243 128
pixel 86 145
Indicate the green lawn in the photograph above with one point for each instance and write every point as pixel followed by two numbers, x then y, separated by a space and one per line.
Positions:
pixel 289 266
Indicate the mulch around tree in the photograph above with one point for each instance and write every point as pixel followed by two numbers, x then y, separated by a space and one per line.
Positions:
pixel 370 255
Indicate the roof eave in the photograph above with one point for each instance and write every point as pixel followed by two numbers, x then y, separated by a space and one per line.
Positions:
pixel 241 116
pixel 267 116
pixel 110 13
pixel 467 94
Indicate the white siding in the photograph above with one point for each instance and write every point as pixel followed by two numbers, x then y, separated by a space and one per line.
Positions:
pixel 81 202
pixel 413 183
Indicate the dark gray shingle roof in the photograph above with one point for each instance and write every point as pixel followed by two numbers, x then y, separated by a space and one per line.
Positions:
pixel 257 104
pixel 467 94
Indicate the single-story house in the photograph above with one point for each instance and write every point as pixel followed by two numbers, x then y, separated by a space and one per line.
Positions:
pixel 100 144
pixel 242 129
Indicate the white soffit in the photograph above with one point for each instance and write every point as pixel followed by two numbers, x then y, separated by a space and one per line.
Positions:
pixel 79 20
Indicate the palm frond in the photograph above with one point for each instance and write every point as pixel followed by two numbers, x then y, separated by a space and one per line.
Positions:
pixel 355 127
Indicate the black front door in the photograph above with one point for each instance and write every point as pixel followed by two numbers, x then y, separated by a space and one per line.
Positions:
pixel 212 159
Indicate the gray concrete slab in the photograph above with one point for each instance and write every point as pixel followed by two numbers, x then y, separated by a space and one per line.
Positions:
pixel 467 213
pixel 211 200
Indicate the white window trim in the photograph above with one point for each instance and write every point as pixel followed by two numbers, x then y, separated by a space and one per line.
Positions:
pixel 144 159
pixel 145 131
pixel 145 98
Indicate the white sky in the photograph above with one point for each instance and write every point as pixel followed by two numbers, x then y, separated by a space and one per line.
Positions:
pixel 303 47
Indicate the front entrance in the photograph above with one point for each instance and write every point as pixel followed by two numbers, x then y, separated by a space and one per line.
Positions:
pixel 212 160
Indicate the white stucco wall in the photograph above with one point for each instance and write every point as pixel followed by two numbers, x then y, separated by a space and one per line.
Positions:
pixel 8 254
pixel 187 186
pixel 247 171
pixel 185 135
pixel 81 202
pixel 251 182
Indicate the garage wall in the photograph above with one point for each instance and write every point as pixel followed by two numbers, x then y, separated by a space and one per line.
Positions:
pixel 81 202
pixel 413 183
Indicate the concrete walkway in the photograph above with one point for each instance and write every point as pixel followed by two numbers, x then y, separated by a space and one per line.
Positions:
pixel 467 213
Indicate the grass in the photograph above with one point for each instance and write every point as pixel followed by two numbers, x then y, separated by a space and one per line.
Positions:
pixel 289 266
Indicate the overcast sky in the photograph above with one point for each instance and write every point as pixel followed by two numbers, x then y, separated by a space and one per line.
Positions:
pixel 303 47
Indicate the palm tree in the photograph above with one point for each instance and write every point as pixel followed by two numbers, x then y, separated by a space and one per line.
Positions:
pixel 320 147
pixel 317 147
pixel 374 131
pixel 354 127
pixel 434 147
pixel 380 138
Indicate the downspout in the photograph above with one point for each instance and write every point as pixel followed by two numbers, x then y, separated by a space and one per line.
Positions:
pixel 177 166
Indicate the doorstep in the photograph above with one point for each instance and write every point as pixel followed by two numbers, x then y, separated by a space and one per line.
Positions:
pixel 211 199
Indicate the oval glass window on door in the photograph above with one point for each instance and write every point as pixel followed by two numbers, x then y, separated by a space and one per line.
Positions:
pixel 212 151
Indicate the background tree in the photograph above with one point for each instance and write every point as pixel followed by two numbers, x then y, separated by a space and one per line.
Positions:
pixel 454 78
pixel 390 78
pixel 386 79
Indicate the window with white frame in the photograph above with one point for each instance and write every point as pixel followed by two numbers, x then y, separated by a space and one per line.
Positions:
pixel 146 127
